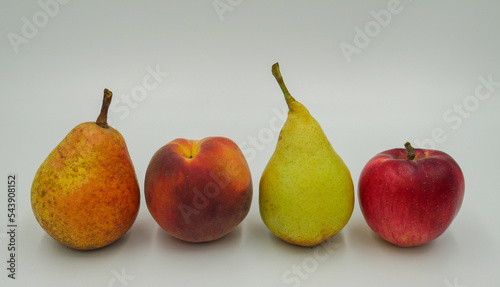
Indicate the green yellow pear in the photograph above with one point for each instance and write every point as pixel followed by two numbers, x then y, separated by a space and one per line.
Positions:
pixel 85 194
pixel 306 193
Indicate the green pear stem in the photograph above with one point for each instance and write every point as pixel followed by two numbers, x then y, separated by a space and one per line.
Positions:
pixel 102 120
pixel 277 74
pixel 410 151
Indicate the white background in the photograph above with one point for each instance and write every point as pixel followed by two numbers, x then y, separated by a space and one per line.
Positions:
pixel 408 79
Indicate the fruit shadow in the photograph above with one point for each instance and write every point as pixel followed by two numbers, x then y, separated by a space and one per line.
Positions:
pixel 370 243
pixel 137 233
pixel 53 248
pixel 269 244
pixel 335 244
pixel 171 244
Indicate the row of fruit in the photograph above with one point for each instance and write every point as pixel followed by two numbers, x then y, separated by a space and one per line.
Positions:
pixel 86 194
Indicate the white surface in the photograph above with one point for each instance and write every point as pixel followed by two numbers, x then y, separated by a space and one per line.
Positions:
pixel 414 70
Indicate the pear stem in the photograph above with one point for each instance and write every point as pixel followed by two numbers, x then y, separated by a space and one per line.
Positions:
pixel 410 151
pixel 102 120
pixel 277 74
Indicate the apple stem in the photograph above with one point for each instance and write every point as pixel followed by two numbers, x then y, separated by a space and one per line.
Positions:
pixel 277 74
pixel 102 120
pixel 410 151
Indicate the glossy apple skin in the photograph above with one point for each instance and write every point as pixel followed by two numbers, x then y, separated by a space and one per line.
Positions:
pixel 198 190
pixel 410 202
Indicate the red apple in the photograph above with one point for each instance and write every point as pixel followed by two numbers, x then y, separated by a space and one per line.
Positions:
pixel 198 190
pixel 410 196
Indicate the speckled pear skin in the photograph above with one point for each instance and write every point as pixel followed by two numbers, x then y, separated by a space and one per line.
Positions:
pixel 85 194
pixel 306 193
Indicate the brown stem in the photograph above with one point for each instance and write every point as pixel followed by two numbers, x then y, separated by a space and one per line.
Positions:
pixel 410 151
pixel 102 120
pixel 279 79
